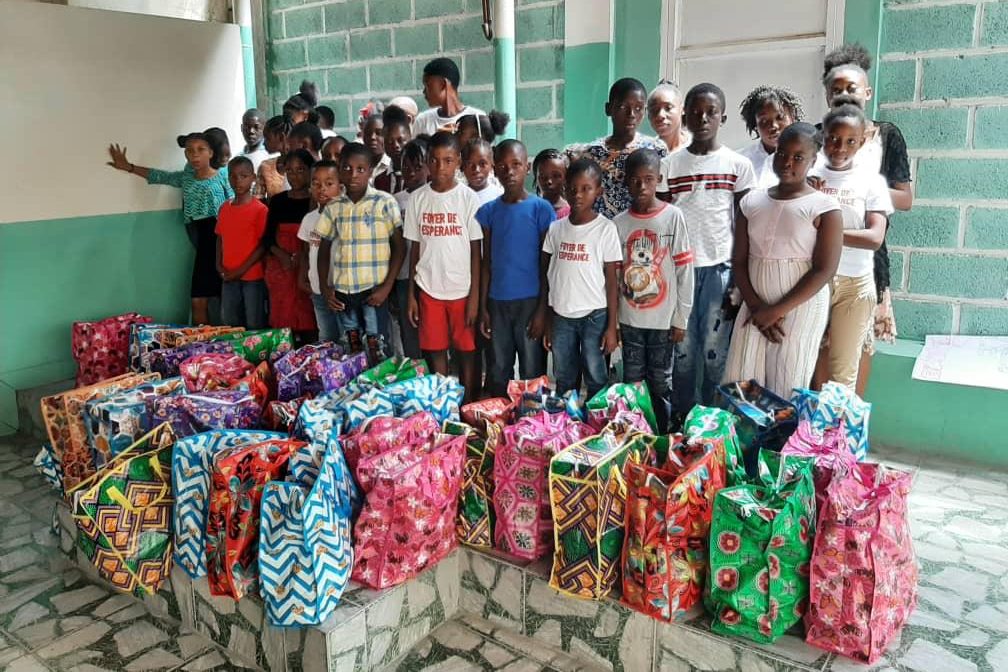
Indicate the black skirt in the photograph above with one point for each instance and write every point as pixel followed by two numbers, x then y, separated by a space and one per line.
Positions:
pixel 206 282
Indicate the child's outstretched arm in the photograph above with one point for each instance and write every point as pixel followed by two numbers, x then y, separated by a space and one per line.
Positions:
pixel 610 338
pixel 825 259
pixel 120 162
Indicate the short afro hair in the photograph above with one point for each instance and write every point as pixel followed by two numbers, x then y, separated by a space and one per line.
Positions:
pixel 704 89
pixel 641 158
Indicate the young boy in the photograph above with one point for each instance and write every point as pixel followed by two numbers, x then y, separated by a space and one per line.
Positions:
pixel 656 280
pixel 395 136
pixel 706 181
pixel 373 136
pixel 360 252
pixel 325 187
pixel 514 228
pixel 444 289
pixel 582 252
pixel 252 125
pixel 865 204
pixel 240 224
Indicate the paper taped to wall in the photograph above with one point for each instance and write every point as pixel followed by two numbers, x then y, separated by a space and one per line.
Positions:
pixel 978 361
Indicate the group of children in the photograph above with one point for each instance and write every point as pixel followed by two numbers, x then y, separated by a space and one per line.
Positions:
pixel 423 233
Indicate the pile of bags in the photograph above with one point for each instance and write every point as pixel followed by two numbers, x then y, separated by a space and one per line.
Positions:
pixel 289 473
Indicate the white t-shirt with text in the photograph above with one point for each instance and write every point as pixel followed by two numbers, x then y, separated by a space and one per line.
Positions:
pixel 578 254
pixel 703 186
pixel 859 191
pixel 444 225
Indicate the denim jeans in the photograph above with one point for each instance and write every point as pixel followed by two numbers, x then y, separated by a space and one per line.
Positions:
pixel 328 320
pixel 357 314
pixel 577 349
pixel 509 337
pixel 647 354
pixel 243 304
pixel 698 363
pixel 409 334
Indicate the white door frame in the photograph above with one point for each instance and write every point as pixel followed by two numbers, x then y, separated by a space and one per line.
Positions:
pixel 671 41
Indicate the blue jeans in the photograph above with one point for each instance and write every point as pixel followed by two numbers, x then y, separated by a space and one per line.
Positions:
pixel 509 337
pixel 410 334
pixel 327 319
pixel 698 363
pixel 647 354
pixel 243 304
pixel 577 350
pixel 357 314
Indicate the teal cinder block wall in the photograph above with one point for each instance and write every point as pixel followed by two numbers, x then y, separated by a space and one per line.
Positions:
pixel 940 83
pixel 354 49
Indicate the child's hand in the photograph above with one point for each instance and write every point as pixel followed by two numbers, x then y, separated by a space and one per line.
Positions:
pixel 536 327
pixel 484 323
pixel 118 154
pixel 676 335
pixel 413 312
pixel 379 295
pixel 769 320
pixel 332 301
pixel 472 312
pixel 548 335
pixel 230 276
pixel 610 340
pixel 815 182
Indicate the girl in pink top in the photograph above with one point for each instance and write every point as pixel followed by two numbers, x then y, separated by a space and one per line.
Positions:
pixel 787 246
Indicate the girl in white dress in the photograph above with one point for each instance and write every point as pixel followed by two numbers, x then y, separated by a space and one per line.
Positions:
pixel 788 240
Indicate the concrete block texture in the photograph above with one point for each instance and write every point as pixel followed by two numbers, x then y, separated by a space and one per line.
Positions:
pixel 927 28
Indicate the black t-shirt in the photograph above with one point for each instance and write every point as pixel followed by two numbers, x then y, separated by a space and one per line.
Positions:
pixel 283 210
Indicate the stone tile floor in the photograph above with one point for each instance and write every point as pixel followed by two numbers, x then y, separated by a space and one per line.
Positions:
pixel 52 618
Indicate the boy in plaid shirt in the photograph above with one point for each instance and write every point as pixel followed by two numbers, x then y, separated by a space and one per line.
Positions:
pixel 360 252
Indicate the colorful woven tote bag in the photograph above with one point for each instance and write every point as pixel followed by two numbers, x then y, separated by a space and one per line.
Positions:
pixel 475 523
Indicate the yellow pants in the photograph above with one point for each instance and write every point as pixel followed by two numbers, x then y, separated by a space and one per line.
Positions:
pixel 852 310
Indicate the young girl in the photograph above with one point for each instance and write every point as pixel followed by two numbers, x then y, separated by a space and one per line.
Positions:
pixel 767 111
pixel 787 246
pixel 582 253
pixel 270 179
pixel 332 147
pixel 204 188
pixel 290 306
pixel 414 175
pixel 627 98
pixel 301 106
pixel 845 72
pixel 477 166
pixel 865 204
pixel 486 126
pixel 664 108
pixel 549 170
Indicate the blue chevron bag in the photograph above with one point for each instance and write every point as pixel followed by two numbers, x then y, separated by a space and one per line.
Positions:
pixel 305 550
pixel 441 395
pixel 192 457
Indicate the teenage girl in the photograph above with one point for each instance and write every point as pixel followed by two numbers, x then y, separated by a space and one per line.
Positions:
pixel 270 180
pixel 627 101
pixel 845 72
pixel 549 170
pixel 290 305
pixel 767 111
pixel 204 188
pixel 787 246
pixel 664 108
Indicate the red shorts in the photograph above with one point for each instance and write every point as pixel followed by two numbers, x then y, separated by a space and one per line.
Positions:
pixel 442 325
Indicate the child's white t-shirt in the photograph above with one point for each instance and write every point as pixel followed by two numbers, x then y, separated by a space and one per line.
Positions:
pixel 703 186
pixel 762 163
pixel 488 193
pixel 306 232
pixel 444 225
pixel 578 255
pixel 859 191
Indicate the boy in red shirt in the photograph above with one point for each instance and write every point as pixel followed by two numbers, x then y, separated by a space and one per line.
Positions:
pixel 240 225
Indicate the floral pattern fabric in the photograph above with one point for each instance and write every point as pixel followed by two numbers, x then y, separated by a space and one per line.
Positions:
pixel 635 397
pixel 760 546
pixel 191 414
pixel 209 372
pixel 101 349
pixel 408 520
pixel 715 426
pixel 383 434
pixel 863 583
pixel 168 360
pixel 524 526
pixel 262 345
pixel 232 532
pixel 669 512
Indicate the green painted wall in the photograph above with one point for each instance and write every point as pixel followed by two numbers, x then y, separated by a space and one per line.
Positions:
pixel 950 99
pixel 591 65
pixel 53 272
pixel 637 40
pixel 356 49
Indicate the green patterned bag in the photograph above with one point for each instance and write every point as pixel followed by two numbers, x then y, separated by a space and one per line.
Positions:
pixel 706 424
pixel 124 515
pixel 603 406
pixel 760 546
pixel 474 525
pixel 263 345
pixel 393 370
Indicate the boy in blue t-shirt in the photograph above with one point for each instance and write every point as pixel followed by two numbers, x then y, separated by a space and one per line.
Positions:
pixel 514 227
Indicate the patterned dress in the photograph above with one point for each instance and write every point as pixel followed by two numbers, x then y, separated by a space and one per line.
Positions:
pixel 615 196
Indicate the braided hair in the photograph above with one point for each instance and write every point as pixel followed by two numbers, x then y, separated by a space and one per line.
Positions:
pixel 779 96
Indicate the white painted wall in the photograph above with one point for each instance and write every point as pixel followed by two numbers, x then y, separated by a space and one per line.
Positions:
pixel 74 80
